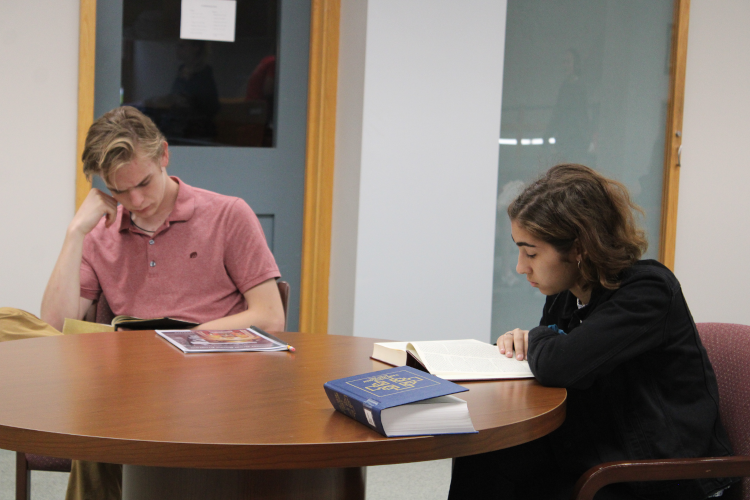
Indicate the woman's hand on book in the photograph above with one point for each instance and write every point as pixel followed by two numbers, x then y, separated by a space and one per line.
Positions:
pixel 516 340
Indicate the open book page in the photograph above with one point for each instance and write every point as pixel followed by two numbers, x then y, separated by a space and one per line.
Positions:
pixel 393 353
pixel 468 360
pixel 79 326
pixel 123 318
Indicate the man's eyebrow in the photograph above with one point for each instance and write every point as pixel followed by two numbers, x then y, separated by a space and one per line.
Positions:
pixel 145 179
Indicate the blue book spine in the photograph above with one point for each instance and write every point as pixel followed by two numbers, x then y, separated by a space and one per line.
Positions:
pixel 354 407
pixel 363 397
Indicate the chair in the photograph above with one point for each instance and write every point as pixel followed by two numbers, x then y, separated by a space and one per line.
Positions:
pixel 728 347
pixel 284 293
pixel 26 462
pixel 99 312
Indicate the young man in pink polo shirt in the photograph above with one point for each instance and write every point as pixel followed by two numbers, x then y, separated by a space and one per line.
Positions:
pixel 157 247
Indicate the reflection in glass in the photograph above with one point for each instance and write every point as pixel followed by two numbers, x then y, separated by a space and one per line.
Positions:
pixel 199 92
pixel 584 82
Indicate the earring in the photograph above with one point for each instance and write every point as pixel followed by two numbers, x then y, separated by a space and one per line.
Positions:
pixel 579 264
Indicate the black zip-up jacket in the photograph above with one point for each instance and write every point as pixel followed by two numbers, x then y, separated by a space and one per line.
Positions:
pixel 639 382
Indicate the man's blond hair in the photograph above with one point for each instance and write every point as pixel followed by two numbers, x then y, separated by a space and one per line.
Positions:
pixel 116 138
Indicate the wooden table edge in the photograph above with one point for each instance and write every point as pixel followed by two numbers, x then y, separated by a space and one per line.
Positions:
pixel 279 456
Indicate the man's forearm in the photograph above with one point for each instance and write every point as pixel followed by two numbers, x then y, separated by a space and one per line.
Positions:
pixel 62 296
pixel 265 311
pixel 273 322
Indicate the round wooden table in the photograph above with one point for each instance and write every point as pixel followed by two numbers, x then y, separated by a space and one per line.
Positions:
pixel 261 421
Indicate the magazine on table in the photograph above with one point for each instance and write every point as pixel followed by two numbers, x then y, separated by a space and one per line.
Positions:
pixel 240 340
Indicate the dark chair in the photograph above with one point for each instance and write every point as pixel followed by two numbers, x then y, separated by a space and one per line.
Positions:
pixel 26 462
pixel 99 312
pixel 284 292
pixel 728 347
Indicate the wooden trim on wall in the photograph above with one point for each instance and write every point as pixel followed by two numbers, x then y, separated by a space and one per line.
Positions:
pixel 86 78
pixel 673 142
pixel 321 133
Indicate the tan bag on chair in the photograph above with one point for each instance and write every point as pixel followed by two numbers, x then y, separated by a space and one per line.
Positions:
pixel 16 324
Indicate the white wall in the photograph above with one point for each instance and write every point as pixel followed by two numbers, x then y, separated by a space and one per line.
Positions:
pixel 415 186
pixel 713 236
pixel 349 107
pixel 38 109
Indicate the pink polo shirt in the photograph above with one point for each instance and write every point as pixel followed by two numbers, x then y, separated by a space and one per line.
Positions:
pixel 195 267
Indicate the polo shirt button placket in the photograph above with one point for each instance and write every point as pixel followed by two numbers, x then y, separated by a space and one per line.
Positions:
pixel 153 262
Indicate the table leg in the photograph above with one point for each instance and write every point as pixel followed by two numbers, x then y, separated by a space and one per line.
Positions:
pixel 164 483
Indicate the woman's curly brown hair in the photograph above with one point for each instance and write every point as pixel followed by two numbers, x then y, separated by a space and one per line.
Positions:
pixel 574 204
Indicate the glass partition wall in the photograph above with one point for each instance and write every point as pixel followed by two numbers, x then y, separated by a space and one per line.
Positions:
pixel 584 82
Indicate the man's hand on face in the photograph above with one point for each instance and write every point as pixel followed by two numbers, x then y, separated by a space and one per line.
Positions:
pixel 96 205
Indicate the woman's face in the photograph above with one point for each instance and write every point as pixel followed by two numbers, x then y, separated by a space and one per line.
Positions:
pixel 545 268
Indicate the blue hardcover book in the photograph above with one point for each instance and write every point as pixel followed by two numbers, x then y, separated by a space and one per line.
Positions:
pixel 402 402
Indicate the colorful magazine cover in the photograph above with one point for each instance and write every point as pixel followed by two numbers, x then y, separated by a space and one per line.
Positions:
pixel 243 340
pixel 234 336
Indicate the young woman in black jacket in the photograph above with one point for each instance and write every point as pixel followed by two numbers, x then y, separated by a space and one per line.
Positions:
pixel 616 332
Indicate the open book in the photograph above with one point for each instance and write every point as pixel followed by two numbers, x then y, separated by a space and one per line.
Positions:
pixel 126 322
pixel 453 359
pixel 133 323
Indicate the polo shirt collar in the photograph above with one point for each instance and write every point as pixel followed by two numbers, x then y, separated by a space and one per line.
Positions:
pixel 184 208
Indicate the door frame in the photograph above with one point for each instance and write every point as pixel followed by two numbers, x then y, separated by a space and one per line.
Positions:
pixel 319 154
pixel 673 138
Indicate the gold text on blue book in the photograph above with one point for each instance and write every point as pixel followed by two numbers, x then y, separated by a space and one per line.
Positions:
pixel 344 405
pixel 391 383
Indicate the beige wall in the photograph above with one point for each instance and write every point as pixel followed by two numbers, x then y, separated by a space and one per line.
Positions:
pixel 713 237
pixel 38 89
